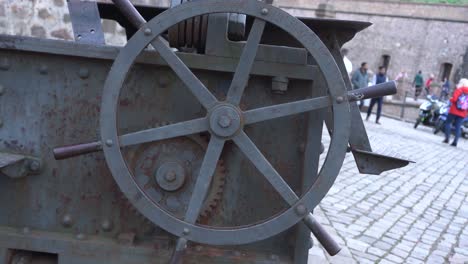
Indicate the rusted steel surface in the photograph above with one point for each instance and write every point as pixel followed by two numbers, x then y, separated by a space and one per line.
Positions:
pixel 218 143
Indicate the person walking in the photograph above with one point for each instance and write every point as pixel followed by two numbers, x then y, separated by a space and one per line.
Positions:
pixel 417 84
pixel 427 87
pixel 458 111
pixel 380 77
pixel 360 79
pixel 445 89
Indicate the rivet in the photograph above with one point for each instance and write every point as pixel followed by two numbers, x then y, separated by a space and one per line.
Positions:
pixel 67 220
pixel 26 230
pixel 84 73
pixel 106 225
pixel 147 31
pixel 2 89
pixel 109 142
pixel 264 11
pixel 35 165
pixel 301 209
pixel 43 69
pixel 186 231
pixel 5 64
pixel 80 236
pixel 339 99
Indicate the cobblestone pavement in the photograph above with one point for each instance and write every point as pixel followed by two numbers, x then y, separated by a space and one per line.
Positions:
pixel 416 214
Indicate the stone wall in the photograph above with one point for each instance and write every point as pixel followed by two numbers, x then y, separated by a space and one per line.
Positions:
pixel 415 36
pixel 40 18
pixel 51 19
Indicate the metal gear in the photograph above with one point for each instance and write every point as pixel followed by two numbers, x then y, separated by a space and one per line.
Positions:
pixel 166 172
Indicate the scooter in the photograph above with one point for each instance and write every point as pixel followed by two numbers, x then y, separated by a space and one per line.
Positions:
pixel 429 111
pixel 440 123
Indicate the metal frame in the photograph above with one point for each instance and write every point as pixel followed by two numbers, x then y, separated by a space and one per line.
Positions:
pixel 149 34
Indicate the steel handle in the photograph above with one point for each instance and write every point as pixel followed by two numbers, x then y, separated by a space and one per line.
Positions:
pixel 379 90
pixel 130 12
pixel 322 235
pixel 66 152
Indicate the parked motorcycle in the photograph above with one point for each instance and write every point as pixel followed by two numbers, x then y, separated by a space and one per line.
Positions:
pixel 429 111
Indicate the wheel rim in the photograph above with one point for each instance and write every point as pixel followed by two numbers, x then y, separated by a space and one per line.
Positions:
pixel 204 234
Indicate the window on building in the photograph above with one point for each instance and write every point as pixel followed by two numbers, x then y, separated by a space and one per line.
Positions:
pixel 385 61
pixel 445 71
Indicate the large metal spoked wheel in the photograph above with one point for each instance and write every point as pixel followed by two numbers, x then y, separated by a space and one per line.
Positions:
pixel 225 121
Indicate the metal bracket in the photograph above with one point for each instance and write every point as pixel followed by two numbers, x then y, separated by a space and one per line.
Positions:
pixel 375 163
pixel 86 22
pixel 18 166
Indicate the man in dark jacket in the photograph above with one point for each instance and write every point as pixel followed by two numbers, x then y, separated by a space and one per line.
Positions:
pixel 360 79
pixel 380 77
pixel 458 111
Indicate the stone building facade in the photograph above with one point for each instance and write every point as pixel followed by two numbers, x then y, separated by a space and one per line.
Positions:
pixel 405 36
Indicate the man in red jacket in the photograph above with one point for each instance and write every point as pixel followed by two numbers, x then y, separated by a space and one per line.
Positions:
pixel 458 111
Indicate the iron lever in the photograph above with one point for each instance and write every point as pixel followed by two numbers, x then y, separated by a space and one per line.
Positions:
pixel 379 90
pixel 328 243
pixel 70 151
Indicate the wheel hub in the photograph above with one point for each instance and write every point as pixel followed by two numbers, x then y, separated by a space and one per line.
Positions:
pixel 170 176
pixel 225 121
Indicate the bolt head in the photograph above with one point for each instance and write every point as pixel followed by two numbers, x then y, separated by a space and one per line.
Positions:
pixel 301 209
pixel 35 165
pixel 170 176
pixel 80 236
pixel 26 230
pixel 109 143
pixel 5 64
pixel 186 231
pixel 265 11
pixel 224 121
pixel 147 31
pixel 107 225
pixel 43 69
pixel 67 220
pixel 339 99
pixel 83 73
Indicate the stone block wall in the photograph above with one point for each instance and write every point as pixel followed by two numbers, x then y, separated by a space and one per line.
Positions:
pixel 415 36
pixel 37 18
pixel 51 19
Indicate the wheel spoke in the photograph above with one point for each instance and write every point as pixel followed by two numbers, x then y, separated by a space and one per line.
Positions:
pixel 281 110
pixel 165 132
pixel 198 89
pixel 247 59
pixel 207 169
pixel 263 165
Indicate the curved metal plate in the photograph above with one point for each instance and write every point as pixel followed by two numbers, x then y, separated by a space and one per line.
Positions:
pixel 242 234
